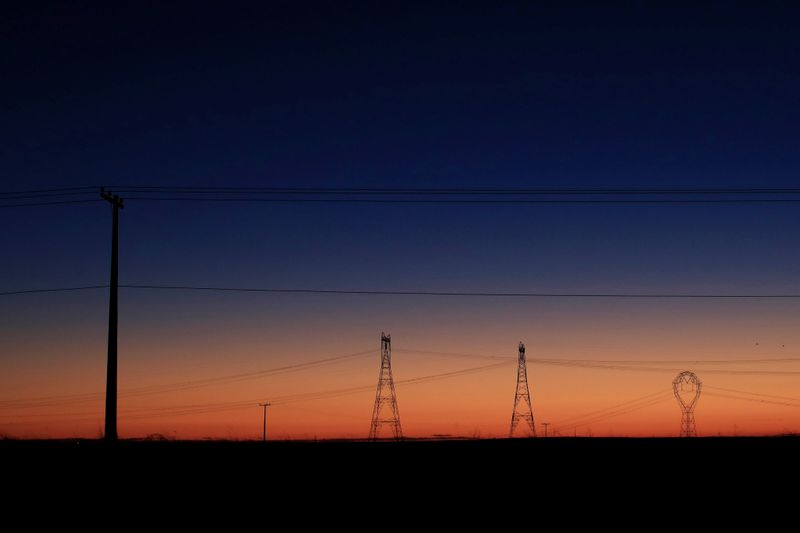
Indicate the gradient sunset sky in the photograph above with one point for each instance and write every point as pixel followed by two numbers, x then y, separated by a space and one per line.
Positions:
pixel 327 95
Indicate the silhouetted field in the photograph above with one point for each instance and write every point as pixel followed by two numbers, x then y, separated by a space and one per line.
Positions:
pixel 547 454
pixel 349 478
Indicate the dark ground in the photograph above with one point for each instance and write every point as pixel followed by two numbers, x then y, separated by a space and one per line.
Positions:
pixel 547 456
pixel 636 481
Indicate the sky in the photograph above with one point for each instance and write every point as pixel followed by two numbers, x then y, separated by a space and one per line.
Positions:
pixel 397 96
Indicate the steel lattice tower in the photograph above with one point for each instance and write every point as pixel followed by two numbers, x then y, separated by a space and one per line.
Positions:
pixel 523 409
pixel 687 381
pixel 385 397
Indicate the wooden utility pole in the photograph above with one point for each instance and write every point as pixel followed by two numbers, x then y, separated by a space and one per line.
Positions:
pixel 111 367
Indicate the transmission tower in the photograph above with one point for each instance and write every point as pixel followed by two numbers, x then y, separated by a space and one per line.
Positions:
pixel 523 409
pixel 385 410
pixel 686 387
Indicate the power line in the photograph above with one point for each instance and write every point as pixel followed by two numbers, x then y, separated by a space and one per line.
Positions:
pixel 590 418
pixel 178 386
pixel 616 410
pixel 87 189
pixel 423 191
pixel 503 360
pixel 485 195
pixel 308 396
pixel 470 201
pixel 754 400
pixel 57 289
pixel 44 195
pixel 49 401
pixel 478 195
pixel 403 382
pixel 235 378
pixel 735 391
pixel 453 190
pixel 626 404
pixel 613 365
pixel 611 361
pixel 411 292
pixel 453 293
pixel 257 193
pixel 636 368
pixel 320 395
pixel 614 414
pixel 690 361
pixel 457 354
pixel 60 202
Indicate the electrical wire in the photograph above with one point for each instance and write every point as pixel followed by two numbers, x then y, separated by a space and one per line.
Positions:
pixel 63 190
pixel 60 202
pixel 364 292
pixel 450 191
pixel 448 293
pixel 457 202
pixel 57 289
pixel 754 400
pixel 358 195
pixel 647 397
pixel 309 396
pixel 735 391
pixel 70 399
pixel 611 361
pixel 613 414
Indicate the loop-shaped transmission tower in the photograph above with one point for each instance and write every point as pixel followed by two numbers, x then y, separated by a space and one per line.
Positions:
pixel 686 387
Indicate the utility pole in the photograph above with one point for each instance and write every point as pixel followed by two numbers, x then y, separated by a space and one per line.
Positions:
pixel 545 424
pixel 265 405
pixel 111 365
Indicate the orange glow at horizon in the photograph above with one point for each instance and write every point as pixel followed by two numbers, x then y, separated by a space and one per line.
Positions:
pixel 470 405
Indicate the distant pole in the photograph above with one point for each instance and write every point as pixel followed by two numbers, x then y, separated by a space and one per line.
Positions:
pixel 111 366
pixel 265 405
pixel 545 424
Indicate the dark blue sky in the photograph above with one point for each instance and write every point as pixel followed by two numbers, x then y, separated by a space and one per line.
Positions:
pixel 353 96
pixel 170 93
